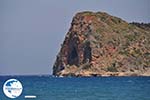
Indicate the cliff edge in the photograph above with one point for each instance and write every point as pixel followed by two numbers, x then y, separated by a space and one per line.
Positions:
pixel 99 44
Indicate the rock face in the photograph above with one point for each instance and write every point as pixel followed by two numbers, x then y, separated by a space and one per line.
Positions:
pixel 99 44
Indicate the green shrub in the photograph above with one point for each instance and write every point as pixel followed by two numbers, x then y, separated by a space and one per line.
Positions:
pixel 112 68
pixel 86 66
pixel 131 37
pixel 124 52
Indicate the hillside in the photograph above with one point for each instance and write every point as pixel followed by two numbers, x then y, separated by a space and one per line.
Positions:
pixel 98 44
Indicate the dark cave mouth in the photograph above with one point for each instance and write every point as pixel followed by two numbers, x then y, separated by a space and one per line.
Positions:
pixel 74 54
pixel 73 58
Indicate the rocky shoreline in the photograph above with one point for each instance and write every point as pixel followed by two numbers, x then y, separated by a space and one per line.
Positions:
pixel 88 73
pixel 107 74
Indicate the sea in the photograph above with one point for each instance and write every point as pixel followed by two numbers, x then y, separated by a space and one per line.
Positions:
pixel 80 88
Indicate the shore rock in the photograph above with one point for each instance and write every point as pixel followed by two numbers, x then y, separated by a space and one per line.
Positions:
pixel 98 44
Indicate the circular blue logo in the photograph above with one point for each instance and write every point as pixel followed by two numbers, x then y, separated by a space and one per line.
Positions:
pixel 12 88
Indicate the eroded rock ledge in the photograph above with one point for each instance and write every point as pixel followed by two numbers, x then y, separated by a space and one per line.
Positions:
pixel 99 44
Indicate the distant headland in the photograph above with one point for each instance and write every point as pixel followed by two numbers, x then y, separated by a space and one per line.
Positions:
pixel 98 44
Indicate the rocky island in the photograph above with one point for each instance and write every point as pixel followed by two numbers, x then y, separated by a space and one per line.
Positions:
pixel 98 44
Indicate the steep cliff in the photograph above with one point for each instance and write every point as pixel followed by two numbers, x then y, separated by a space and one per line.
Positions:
pixel 99 44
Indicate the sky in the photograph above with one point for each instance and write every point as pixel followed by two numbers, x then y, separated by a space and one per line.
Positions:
pixel 31 31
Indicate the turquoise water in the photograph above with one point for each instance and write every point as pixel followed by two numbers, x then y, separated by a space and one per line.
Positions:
pixel 96 88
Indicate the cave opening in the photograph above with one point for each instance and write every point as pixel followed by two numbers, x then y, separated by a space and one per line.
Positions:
pixel 73 58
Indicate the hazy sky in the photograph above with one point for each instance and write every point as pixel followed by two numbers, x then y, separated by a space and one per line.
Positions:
pixel 31 31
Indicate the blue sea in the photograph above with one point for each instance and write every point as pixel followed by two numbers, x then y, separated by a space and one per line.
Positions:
pixel 82 88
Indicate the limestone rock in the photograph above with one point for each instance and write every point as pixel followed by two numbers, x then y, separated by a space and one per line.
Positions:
pixel 99 44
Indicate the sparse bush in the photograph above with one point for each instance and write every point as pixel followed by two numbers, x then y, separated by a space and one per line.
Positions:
pixel 103 18
pixel 112 68
pixel 86 66
pixel 114 20
pixel 88 13
pixel 97 36
pixel 131 37
pixel 124 52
